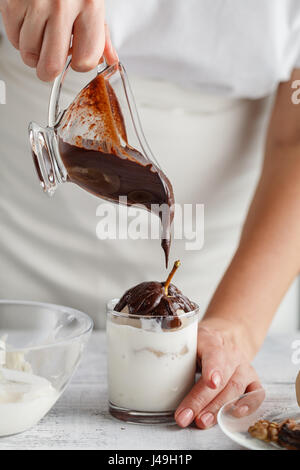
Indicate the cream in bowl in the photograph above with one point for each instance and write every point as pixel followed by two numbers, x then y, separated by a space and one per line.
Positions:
pixel 40 348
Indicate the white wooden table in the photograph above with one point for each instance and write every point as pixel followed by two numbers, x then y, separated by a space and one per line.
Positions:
pixel 80 419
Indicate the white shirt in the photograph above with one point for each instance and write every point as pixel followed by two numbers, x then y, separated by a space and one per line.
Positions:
pixel 235 47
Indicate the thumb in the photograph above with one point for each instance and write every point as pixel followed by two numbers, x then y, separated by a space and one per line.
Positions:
pixel 110 53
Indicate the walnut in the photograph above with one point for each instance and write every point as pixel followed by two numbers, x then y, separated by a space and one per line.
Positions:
pixel 265 431
pixel 286 433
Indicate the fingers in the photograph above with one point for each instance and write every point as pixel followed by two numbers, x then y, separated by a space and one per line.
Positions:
pixel 217 362
pixel 216 368
pixel 88 37
pixel 13 16
pixel 31 34
pixel 203 403
pixel 194 402
pixel 256 385
pixel 55 47
pixel 110 53
pixel 42 30
pixel 237 385
pixel 250 402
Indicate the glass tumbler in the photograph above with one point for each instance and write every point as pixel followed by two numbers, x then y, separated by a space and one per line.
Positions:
pixel 150 368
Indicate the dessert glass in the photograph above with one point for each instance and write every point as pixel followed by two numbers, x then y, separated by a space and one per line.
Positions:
pixel 150 368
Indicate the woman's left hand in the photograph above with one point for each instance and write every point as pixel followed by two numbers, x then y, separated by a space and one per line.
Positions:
pixel 224 356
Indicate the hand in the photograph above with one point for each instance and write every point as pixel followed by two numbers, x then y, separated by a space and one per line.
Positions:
pixel 42 30
pixel 224 355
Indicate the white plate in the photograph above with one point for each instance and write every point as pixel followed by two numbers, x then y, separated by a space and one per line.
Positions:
pixel 276 403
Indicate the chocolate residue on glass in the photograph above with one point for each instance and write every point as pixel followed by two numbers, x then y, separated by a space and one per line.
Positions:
pixel 101 161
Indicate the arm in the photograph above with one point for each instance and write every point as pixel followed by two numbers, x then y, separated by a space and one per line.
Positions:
pixel 263 267
pixel 42 31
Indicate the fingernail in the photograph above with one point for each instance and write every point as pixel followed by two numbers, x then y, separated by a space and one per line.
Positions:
pixel 207 419
pixel 216 379
pixel 243 410
pixel 185 417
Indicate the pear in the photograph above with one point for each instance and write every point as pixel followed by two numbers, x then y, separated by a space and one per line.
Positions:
pixel 154 298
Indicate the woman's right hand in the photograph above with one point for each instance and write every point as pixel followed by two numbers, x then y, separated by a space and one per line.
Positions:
pixel 42 30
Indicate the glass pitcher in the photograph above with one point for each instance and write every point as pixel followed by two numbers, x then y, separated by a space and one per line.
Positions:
pixel 97 142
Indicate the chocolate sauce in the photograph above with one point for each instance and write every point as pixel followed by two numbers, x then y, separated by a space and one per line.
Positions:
pixel 106 165
pixel 150 299
pixel 289 435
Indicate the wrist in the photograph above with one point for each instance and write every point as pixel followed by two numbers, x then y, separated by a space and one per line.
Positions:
pixel 235 331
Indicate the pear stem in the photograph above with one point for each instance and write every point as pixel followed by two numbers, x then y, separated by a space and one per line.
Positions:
pixel 169 279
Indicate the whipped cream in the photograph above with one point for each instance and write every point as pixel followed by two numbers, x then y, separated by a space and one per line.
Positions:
pixel 24 397
pixel 150 369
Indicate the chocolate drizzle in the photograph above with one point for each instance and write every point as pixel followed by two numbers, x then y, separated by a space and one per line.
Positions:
pixel 150 299
pixel 101 161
